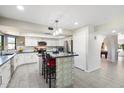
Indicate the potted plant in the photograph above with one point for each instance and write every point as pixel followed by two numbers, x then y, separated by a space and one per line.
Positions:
pixel 122 46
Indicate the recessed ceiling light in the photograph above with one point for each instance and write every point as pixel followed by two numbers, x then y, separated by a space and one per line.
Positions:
pixel 113 31
pixel 76 23
pixel 20 7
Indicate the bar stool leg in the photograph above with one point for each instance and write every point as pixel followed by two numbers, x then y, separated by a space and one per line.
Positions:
pixel 46 75
pixel 44 70
pixel 50 79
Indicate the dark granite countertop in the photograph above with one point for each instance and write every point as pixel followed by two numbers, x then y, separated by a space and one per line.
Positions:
pixel 6 58
pixel 61 55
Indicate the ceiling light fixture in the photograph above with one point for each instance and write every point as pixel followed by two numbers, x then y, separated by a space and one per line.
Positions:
pixel 76 23
pixel 20 7
pixel 58 30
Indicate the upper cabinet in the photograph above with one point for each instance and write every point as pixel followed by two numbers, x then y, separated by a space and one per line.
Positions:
pixel 30 41
pixel 33 41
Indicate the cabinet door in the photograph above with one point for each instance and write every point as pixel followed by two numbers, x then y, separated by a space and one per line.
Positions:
pixel 35 57
pixel 0 77
pixel 28 58
pixel 31 57
pixel 15 62
pixel 5 74
pixel 29 41
pixel 20 59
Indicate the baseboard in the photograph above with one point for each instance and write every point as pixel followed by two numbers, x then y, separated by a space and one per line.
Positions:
pixel 93 69
pixel 79 68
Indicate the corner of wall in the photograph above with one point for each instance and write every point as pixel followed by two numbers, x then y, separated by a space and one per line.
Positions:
pixel 91 70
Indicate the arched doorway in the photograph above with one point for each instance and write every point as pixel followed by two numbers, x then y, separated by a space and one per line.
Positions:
pixel 104 50
pixel 109 48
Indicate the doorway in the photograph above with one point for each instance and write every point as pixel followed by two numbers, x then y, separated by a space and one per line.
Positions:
pixel 104 50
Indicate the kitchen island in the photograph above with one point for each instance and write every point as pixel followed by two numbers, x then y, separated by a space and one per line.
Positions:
pixel 64 69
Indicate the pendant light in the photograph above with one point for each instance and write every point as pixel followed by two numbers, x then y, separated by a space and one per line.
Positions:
pixel 57 30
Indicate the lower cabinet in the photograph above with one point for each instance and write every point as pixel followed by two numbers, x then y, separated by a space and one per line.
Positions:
pixel 24 58
pixel 5 74
pixel 0 77
pixel 15 62
pixel 7 69
pixel 20 59
pixel 31 57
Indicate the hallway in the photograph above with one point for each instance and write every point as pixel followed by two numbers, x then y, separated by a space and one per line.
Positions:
pixel 110 75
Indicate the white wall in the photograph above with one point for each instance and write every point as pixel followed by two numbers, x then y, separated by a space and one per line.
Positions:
pixel 87 44
pixel 112 45
pixel 121 39
pixel 106 29
pixel 94 50
pixel 80 39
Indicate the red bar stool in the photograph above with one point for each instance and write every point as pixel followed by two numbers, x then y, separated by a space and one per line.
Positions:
pixel 51 70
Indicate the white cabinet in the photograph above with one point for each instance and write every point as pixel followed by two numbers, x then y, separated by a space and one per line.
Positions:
pixel 5 73
pixel 24 58
pixel 0 77
pixel 30 41
pixel 31 57
pixel 15 62
pixel 20 59
pixel 33 41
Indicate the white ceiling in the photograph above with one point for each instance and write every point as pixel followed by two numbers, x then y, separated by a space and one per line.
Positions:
pixel 67 14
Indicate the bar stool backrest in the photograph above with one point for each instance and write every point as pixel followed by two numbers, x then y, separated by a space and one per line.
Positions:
pixel 51 61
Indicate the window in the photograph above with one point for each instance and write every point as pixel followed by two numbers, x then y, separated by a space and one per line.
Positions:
pixel 1 42
pixel 11 42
